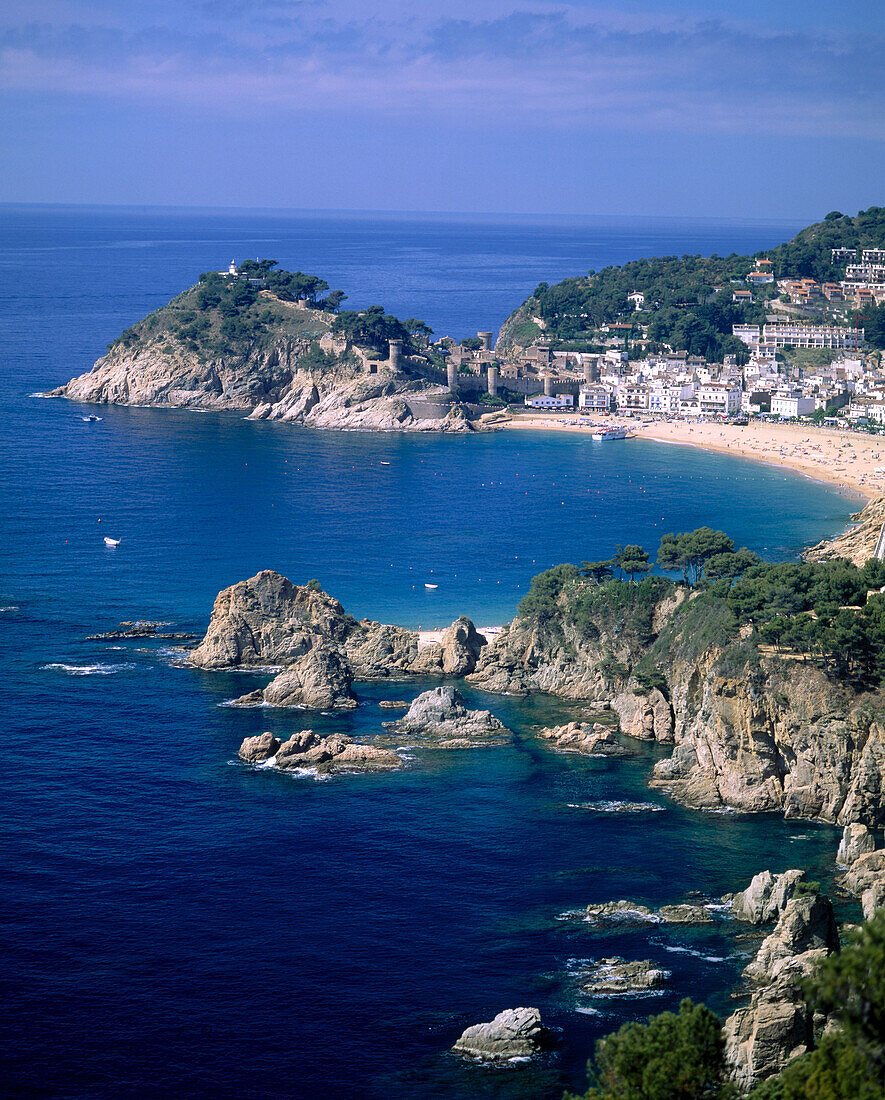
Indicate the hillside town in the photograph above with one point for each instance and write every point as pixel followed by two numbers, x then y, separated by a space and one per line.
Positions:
pixel 807 359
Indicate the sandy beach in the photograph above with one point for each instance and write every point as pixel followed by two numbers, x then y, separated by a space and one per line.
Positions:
pixel 852 460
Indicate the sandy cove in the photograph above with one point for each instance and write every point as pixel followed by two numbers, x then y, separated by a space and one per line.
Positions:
pixel 847 459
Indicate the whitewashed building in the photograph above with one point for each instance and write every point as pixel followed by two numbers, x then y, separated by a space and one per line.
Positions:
pixel 788 404
pixel 594 399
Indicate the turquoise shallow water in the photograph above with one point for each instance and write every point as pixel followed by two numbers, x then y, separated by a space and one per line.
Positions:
pixel 174 921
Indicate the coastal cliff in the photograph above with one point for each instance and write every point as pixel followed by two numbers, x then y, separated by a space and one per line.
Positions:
pixel 753 728
pixel 858 544
pixel 230 346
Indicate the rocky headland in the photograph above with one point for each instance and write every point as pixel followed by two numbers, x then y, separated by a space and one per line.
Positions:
pixel 752 728
pixel 777 1024
pixel 262 348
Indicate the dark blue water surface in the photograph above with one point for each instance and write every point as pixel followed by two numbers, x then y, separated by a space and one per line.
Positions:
pixel 175 922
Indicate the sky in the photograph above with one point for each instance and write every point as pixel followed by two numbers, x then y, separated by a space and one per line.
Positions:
pixel 756 109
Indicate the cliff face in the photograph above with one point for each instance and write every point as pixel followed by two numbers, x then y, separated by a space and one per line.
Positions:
pixel 752 731
pixel 857 544
pixel 778 736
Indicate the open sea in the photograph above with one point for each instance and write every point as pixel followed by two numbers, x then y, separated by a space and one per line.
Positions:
pixel 176 923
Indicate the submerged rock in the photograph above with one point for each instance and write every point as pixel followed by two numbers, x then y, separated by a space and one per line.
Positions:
pixel 618 977
pixel 632 912
pixel 440 716
pixel 514 1033
pixel 143 628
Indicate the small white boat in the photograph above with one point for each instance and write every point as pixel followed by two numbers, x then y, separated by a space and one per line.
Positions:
pixel 111 542
pixel 385 463
pixel 426 585
pixel 90 419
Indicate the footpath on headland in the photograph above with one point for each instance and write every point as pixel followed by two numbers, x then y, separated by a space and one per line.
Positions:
pixel 850 460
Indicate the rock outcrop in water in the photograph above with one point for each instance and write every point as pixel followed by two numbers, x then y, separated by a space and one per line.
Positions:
pixel 584 738
pixel 625 912
pixel 268 621
pixel 323 755
pixel 766 897
pixel 320 680
pixel 617 977
pixel 440 719
pixel 516 1033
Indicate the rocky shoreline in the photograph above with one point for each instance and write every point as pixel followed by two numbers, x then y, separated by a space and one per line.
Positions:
pixel 796 745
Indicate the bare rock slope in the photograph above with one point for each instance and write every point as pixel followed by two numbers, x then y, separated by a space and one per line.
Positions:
pixel 269 621
pixel 857 544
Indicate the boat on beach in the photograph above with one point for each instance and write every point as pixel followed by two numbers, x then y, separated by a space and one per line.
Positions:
pixel 610 433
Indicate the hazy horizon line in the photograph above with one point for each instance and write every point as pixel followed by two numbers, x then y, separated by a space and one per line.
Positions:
pixel 387 213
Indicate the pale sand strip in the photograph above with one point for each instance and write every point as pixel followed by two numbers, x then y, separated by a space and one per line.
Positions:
pixel 846 459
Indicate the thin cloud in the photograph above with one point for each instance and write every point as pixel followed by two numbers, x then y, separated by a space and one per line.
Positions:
pixel 524 63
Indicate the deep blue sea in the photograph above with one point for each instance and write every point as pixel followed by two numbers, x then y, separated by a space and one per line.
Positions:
pixel 174 922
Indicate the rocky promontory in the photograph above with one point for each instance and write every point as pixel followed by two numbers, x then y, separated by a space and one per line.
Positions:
pixel 753 727
pixel 316 647
pixel 269 348
pixel 858 544
pixel 777 1025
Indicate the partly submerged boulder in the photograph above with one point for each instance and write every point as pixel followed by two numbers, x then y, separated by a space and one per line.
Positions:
pixel 514 1033
pixel 585 738
pixel 320 680
pixel 324 755
pixel 255 750
pixel 440 717
pixel 617 977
